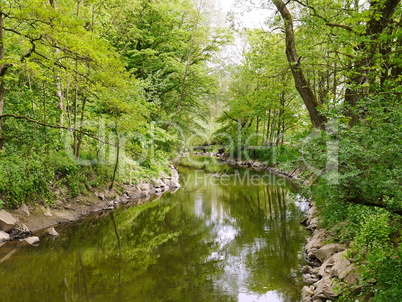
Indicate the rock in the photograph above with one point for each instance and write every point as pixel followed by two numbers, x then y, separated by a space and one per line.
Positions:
pixel 7 221
pixel 160 184
pixel 307 293
pixel 34 240
pixel 52 232
pixel 20 230
pixel 4 236
pixel 145 187
pixel 324 289
pixel 336 266
pixel 316 241
pixel 312 224
pixel 325 268
pixel 101 196
pixel 46 211
pixel 173 183
pixel 306 269
pixel 341 266
pixel 328 250
pixel 352 279
pixel 310 279
pixel 23 210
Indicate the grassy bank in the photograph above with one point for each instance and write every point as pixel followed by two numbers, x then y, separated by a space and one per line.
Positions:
pixel 44 177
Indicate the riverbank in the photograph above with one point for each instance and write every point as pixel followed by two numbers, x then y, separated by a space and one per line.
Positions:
pixel 328 265
pixel 31 219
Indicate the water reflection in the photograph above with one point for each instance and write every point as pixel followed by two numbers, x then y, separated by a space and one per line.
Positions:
pixel 210 241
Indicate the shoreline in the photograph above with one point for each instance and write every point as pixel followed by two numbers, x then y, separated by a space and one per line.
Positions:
pixel 328 264
pixel 30 220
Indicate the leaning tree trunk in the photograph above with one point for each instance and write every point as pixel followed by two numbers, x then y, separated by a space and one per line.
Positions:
pixel 301 83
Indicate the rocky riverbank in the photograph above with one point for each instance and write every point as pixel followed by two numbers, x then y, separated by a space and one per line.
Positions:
pixel 28 220
pixel 328 263
pixel 299 175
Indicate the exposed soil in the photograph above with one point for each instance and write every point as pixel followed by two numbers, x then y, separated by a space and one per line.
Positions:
pixel 39 217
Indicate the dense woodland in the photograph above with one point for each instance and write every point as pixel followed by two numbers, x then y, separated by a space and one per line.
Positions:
pixel 101 92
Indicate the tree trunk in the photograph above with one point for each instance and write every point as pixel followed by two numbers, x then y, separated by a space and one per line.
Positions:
pixel 3 69
pixel 301 83
pixel 59 90
pixel 381 18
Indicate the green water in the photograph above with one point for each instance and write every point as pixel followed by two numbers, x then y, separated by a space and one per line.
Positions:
pixel 218 238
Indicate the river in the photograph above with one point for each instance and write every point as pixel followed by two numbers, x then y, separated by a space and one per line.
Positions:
pixel 228 234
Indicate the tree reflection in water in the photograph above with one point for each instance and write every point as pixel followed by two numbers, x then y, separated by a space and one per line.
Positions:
pixel 210 241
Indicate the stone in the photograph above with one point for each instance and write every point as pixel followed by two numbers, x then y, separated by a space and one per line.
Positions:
pixel 4 236
pixel 144 187
pixel 173 183
pixel 307 293
pixel 316 241
pixel 312 224
pixel 101 196
pixel 341 266
pixel 352 279
pixel 310 279
pixel 33 240
pixel 306 269
pixel 326 267
pixel 325 289
pixel 23 210
pixel 326 251
pixel 52 232
pixel 46 211
pixel 20 230
pixel 7 221
pixel 160 184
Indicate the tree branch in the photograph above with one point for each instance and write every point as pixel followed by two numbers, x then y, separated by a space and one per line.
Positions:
pixel 357 200
pixel 315 14
pixel 55 127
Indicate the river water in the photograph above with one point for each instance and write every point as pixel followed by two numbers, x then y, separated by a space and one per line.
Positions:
pixel 228 234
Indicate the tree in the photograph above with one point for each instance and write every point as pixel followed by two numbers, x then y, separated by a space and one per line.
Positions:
pixel 379 18
pixel 302 85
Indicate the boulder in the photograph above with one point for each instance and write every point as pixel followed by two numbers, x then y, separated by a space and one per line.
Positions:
pixel 160 184
pixel 336 266
pixel 34 240
pixel 20 230
pixel 325 268
pixel 342 266
pixel 23 210
pixel 307 293
pixel 326 251
pixel 173 183
pixel 324 289
pixel 316 241
pixel 312 223
pixel 7 221
pixel 4 236
pixel 306 269
pixel 310 279
pixel 46 211
pixel 52 232
pixel 145 187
